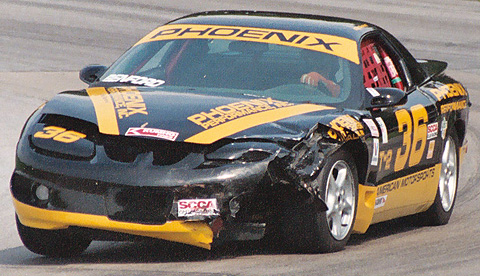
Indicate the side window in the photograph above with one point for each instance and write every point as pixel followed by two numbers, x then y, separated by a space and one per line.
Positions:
pixel 379 70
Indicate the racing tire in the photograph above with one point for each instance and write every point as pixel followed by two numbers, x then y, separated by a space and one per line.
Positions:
pixel 306 227
pixel 441 210
pixel 52 243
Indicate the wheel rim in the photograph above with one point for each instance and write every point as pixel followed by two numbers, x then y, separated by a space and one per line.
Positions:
pixel 448 176
pixel 340 200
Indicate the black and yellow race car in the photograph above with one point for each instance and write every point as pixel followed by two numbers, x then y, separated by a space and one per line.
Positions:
pixel 236 125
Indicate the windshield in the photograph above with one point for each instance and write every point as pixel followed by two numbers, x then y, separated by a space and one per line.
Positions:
pixel 232 66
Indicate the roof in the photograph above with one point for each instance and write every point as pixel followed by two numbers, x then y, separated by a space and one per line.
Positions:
pixel 347 28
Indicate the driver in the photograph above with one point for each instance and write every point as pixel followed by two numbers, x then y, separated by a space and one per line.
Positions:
pixel 322 69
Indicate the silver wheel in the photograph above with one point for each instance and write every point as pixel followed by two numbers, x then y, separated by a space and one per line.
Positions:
pixel 307 226
pixel 340 200
pixel 447 184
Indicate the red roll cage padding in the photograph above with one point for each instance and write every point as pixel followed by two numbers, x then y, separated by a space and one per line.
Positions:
pixel 374 71
pixel 378 68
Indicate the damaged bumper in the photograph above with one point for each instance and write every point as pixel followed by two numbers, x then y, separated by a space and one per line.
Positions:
pixel 189 232
pixel 144 199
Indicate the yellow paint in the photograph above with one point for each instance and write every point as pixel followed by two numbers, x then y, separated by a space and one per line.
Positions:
pixel 365 208
pixel 450 90
pixel 453 106
pixel 330 44
pixel 214 134
pixel 59 134
pixel 408 195
pixel 105 111
pixel 193 233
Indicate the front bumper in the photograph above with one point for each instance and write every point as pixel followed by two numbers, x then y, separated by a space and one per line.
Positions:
pixel 193 233
pixel 133 208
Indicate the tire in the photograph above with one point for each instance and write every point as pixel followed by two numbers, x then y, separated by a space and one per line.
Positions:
pixel 52 243
pixel 441 210
pixel 308 229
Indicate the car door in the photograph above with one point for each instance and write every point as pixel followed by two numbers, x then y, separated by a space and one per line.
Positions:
pixel 404 136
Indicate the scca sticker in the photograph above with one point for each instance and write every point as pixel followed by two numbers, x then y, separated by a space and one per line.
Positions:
pixel 335 45
pixel 432 130
pixel 197 207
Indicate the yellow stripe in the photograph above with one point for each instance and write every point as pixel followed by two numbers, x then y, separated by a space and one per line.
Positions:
pixel 103 104
pixel 330 44
pixel 214 134
pixel 193 233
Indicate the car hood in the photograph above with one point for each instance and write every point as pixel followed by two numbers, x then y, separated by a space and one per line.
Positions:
pixel 193 117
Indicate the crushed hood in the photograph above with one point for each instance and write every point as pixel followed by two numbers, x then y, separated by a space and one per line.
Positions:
pixel 187 116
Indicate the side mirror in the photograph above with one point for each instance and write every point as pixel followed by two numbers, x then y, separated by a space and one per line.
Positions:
pixel 92 73
pixel 384 97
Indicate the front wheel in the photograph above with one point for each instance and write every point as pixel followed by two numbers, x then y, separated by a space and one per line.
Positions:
pixel 52 243
pixel 306 228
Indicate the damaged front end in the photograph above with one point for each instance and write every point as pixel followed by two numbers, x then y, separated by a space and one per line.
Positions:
pixel 189 193
pixel 180 192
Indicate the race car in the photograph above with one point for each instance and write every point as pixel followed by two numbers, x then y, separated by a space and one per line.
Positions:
pixel 240 125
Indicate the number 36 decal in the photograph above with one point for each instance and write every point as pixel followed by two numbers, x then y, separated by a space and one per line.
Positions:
pixel 413 147
pixel 59 134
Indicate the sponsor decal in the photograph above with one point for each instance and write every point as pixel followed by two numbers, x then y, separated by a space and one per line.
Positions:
pixel 372 126
pixel 373 92
pixel 432 130
pixel 127 101
pixel 334 45
pixel 345 124
pixel 197 207
pixel 446 91
pixel 453 106
pixel 380 201
pixel 138 80
pixel 443 127
pixel 225 113
pixel 376 148
pixel 341 136
pixel 383 127
pixel 116 102
pixel 152 132
pixel 431 147
pixel 223 126
pixel 406 181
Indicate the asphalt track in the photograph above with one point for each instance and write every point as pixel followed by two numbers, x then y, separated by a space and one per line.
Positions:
pixel 43 44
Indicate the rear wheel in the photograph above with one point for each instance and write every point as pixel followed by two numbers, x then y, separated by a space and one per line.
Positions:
pixel 441 210
pixel 307 228
pixel 53 243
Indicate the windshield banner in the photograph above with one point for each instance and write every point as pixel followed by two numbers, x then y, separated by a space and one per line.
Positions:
pixel 330 44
